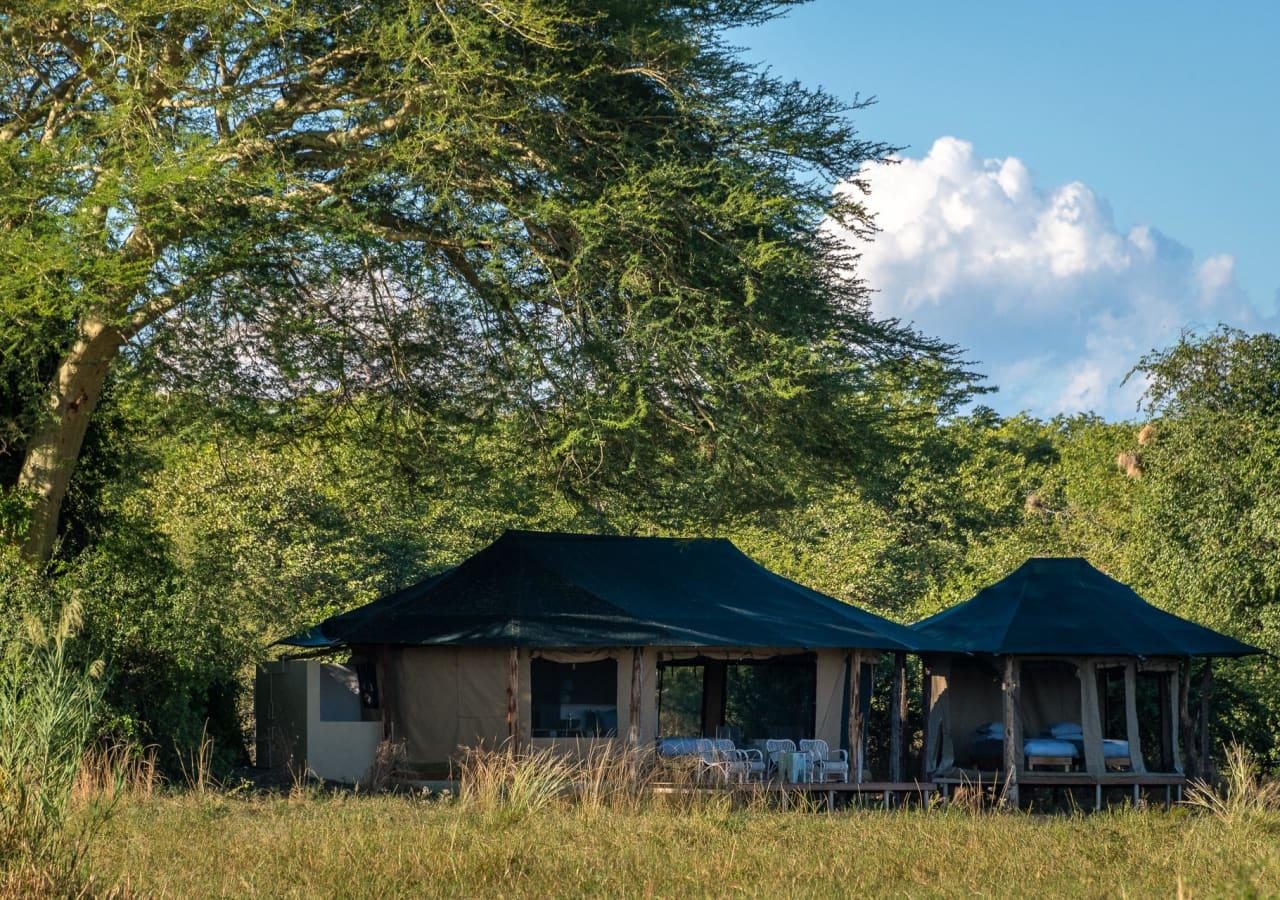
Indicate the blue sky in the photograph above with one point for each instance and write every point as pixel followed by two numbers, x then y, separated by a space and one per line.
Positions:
pixel 1150 138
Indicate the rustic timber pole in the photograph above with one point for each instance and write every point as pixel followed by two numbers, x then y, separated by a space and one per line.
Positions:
pixel 1171 716
pixel 513 698
pixel 386 691
pixel 1206 688
pixel 926 708
pixel 1188 727
pixel 855 716
pixel 637 673
pixel 1012 731
pixel 898 717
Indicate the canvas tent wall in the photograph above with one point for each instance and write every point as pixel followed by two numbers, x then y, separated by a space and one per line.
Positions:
pixel 438 699
pixel 1027 652
pixel 455 653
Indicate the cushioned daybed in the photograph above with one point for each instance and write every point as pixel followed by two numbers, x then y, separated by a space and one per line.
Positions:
pixel 1062 746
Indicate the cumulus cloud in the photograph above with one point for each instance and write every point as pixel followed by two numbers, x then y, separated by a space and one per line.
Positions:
pixel 1044 291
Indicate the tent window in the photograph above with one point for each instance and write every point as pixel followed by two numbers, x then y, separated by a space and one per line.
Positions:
pixel 574 699
pixel 1153 720
pixel 1111 693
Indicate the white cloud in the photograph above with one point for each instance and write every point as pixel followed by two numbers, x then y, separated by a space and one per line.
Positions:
pixel 1040 286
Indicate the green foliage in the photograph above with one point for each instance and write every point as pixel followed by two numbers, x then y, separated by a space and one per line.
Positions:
pixel 595 222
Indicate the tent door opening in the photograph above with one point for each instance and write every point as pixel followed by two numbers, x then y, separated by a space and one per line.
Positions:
pixel 743 699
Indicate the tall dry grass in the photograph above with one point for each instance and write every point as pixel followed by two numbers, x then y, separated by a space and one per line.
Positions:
pixel 592 777
pixel 393 845
pixel 1242 791
pixel 513 785
pixel 48 708
pixel 196 766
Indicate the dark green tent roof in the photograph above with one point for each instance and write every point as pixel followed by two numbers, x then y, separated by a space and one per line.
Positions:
pixel 1066 606
pixel 534 589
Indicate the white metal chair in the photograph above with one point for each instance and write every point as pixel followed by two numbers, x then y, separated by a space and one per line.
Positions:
pixel 711 761
pixel 753 758
pixel 828 764
pixel 774 748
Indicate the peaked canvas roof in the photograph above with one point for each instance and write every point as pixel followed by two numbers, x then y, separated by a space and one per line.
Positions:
pixel 535 589
pixel 1066 606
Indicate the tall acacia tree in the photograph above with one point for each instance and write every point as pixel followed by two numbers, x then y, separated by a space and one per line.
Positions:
pixel 590 216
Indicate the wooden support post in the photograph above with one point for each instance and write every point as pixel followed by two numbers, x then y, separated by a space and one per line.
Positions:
pixel 637 673
pixel 387 697
pixel 898 716
pixel 871 692
pixel 926 709
pixel 1012 731
pixel 513 698
pixel 1206 747
pixel 1171 723
pixel 1188 727
pixel 855 715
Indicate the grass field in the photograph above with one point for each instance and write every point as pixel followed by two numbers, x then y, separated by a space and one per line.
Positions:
pixel 314 845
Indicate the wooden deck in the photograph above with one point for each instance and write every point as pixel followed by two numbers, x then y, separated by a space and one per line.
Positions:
pixel 892 793
pixel 1173 784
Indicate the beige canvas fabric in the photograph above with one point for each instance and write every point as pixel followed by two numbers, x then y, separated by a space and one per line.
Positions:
pixel 1091 717
pixel 830 696
pixel 1050 694
pixel 941 749
pixel 441 698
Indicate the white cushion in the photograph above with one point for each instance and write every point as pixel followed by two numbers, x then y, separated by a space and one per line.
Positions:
pixel 1049 747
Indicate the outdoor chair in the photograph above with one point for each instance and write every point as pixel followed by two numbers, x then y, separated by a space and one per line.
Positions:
pixel 753 758
pixel 774 748
pixel 712 762
pixel 828 764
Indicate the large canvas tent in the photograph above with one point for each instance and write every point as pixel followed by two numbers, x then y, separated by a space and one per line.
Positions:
pixel 543 636
pixel 1059 654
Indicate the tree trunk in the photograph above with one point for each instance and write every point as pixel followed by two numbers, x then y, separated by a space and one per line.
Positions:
pixel 54 447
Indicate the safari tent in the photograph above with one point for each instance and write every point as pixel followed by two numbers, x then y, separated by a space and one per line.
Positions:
pixel 1061 675
pixel 546 639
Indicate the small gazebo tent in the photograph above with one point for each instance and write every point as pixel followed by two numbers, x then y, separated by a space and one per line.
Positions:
pixel 1034 676
pixel 543 637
